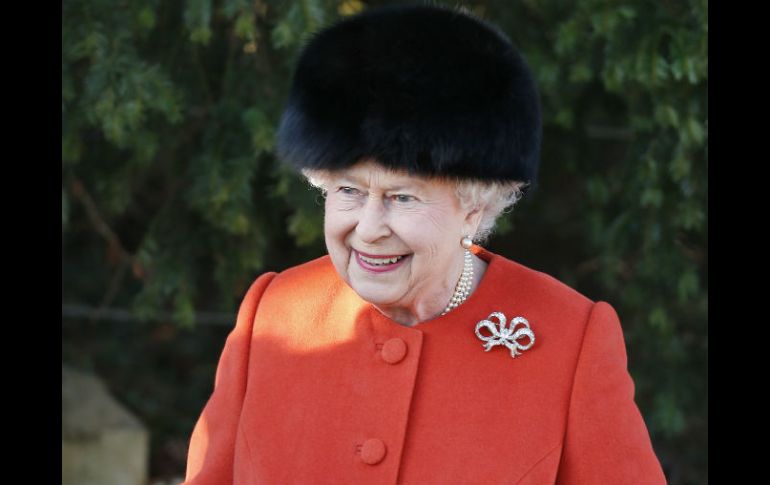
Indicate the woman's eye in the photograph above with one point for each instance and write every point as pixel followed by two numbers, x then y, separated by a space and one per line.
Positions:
pixel 348 190
pixel 402 198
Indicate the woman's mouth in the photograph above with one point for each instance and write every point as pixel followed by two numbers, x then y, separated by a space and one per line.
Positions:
pixel 375 264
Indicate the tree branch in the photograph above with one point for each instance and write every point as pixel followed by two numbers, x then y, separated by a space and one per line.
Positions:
pixel 115 246
pixel 122 315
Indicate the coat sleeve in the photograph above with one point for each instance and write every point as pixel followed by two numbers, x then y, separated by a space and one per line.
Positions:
pixel 212 445
pixel 606 440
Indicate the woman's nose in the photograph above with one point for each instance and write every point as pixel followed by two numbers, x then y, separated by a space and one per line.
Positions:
pixel 372 224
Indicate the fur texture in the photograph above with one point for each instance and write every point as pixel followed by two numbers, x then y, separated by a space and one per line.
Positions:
pixel 432 90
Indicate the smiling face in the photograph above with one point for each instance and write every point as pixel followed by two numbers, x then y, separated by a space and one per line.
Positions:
pixel 395 238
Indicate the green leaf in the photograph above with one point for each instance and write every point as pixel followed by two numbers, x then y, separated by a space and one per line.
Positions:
pixel 350 7
pixel 566 37
pixel 659 320
pixel 690 67
pixel 668 414
pixel 184 311
pixel 244 26
pixel 597 190
pixel 627 12
pixel 661 69
pixel 687 286
pixel 695 132
pixel 306 229
pixel 691 217
pixel 282 35
pixel 197 18
pixel 71 147
pixel 565 118
pixel 580 73
pixel 680 167
pixel 666 115
pixel 146 18
pixel 231 8
pixel 652 197
pixel 261 129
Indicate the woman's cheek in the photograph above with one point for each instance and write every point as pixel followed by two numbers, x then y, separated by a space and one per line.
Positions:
pixel 436 220
pixel 342 204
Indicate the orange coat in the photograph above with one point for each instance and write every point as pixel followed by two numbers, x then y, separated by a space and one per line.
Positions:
pixel 316 387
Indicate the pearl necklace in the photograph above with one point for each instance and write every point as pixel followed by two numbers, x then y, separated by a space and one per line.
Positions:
pixel 463 288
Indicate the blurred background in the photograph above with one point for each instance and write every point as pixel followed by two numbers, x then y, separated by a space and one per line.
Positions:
pixel 173 202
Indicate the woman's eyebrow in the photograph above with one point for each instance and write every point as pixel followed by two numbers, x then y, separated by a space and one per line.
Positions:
pixel 396 185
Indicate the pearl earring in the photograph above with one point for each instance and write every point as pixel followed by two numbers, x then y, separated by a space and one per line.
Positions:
pixel 464 284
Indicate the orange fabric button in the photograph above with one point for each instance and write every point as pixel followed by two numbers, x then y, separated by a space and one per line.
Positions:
pixel 373 451
pixel 394 350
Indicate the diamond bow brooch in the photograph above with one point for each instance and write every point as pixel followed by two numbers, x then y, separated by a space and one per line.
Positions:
pixel 507 336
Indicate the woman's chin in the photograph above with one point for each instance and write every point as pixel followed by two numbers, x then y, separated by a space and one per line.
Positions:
pixel 375 285
pixel 376 294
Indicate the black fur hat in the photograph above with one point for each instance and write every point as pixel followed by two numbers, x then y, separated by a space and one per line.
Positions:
pixel 432 90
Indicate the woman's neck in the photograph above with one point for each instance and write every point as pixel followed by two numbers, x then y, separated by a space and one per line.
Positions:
pixel 429 309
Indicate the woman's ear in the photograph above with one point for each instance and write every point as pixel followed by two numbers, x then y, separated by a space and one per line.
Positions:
pixel 472 221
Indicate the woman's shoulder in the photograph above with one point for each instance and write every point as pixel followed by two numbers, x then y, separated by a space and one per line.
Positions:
pixel 320 267
pixel 509 275
pixel 316 273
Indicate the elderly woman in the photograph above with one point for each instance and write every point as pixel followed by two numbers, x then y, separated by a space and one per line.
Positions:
pixel 409 354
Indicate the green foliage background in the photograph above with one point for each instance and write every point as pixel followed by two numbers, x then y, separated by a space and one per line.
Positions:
pixel 173 201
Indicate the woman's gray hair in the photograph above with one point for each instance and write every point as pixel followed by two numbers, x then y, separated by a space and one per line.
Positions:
pixel 493 198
